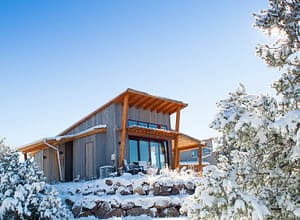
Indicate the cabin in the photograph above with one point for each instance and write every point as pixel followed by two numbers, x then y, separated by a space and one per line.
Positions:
pixel 134 126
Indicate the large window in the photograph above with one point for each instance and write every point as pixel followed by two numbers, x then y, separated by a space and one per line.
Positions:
pixel 146 124
pixel 154 152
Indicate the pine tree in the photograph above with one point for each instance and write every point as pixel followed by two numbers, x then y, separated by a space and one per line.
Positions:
pixel 23 191
pixel 259 152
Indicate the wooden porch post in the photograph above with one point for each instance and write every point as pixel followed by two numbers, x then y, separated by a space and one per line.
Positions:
pixel 176 150
pixel 200 160
pixel 25 156
pixel 123 132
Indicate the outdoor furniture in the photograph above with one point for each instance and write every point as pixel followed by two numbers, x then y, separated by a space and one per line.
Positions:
pixel 132 168
pixel 143 165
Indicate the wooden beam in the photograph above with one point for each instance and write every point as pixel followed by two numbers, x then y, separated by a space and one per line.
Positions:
pixel 133 99
pixel 123 132
pixel 150 104
pixel 162 106
pixel 156 105
pixel 25 156
pixel 169 107
pixel 141 101
pixel 200 160
pixel 147 103
pixel 176 149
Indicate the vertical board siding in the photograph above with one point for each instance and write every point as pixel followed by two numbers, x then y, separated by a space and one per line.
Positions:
pixel 38 158
pixel 80 158
pixel 140 114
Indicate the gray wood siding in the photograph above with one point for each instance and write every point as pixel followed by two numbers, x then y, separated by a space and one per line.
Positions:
pixel 38 158
pixel 139 114
pixel 49 165
pixel 80 157
pixel 107 143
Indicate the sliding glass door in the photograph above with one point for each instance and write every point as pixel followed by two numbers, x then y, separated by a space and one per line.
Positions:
pixel 154 152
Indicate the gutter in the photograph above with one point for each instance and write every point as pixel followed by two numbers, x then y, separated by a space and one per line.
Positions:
pixel 57 156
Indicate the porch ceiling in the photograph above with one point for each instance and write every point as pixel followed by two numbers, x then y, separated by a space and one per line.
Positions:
pixel 186 143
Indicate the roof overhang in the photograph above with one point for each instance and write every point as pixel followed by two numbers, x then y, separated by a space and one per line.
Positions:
pixel 186 143
pixel 36 146
pixel 137 99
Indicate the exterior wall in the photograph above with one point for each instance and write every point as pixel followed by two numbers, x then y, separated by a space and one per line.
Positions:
pixel 46 160
pixel 139 114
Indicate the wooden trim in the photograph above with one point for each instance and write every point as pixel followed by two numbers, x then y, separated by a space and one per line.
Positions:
pixel 187 148
pixel 141 101
pixel 176 147
pixel 123 132
pixel 200 160
pixel 161 107
pixel 177 120
pixel 156 105
pixel 149 103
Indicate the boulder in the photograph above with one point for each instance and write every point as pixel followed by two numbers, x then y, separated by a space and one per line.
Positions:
pixel 108 182
pixel 115 213
pixel 69 202
pixel 102 209
pixel 76 210
pixel 137 211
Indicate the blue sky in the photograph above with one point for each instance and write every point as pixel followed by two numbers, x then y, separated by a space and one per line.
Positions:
pixel 60 60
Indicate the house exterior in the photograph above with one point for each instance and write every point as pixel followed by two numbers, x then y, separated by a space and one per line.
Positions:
pixel 134 126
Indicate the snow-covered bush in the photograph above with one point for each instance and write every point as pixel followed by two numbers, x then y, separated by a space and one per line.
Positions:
pixel 218 196
pixel 23 191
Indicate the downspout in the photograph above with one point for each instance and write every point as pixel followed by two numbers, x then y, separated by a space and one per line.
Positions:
pixel 58 158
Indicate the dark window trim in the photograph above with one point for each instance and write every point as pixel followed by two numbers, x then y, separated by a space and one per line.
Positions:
pixel 159 126
pixel 149 140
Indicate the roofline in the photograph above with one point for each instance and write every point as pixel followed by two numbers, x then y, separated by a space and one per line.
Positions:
pixel 114 100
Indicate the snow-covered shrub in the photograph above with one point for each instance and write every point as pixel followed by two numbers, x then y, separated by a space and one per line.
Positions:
pixel 218 196
pixel 23 191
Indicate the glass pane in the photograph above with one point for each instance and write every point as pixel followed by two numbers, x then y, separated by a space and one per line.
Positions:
pixel 143 124
pixel 133 146
pixel 153 126
pixel 163 127
pixel 155 155
pixel 162 155
pixel 144 151
pixel 132 123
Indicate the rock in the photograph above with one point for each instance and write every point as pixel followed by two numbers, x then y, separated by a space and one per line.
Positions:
pixel 137 211
pixel 162 191
pixel 189 185
pixel 169 212
pixel 77 191
pixel 139 190
pixel 127 205
pixel 69 202
pixel 100 192
pixel 125 192
pixel 111 192
pixel 108 182
pixel 115 213
pixel 175 190
pixel 114 204
pixel 153 212
pixel 76 210
pixel 172 212
pixel 162 204
pixel 102 209
pixel 85 214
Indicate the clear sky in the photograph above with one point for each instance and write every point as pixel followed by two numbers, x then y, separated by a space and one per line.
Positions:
pixel 60 60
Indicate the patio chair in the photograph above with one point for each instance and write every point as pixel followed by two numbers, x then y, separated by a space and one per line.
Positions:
pixel 131 168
